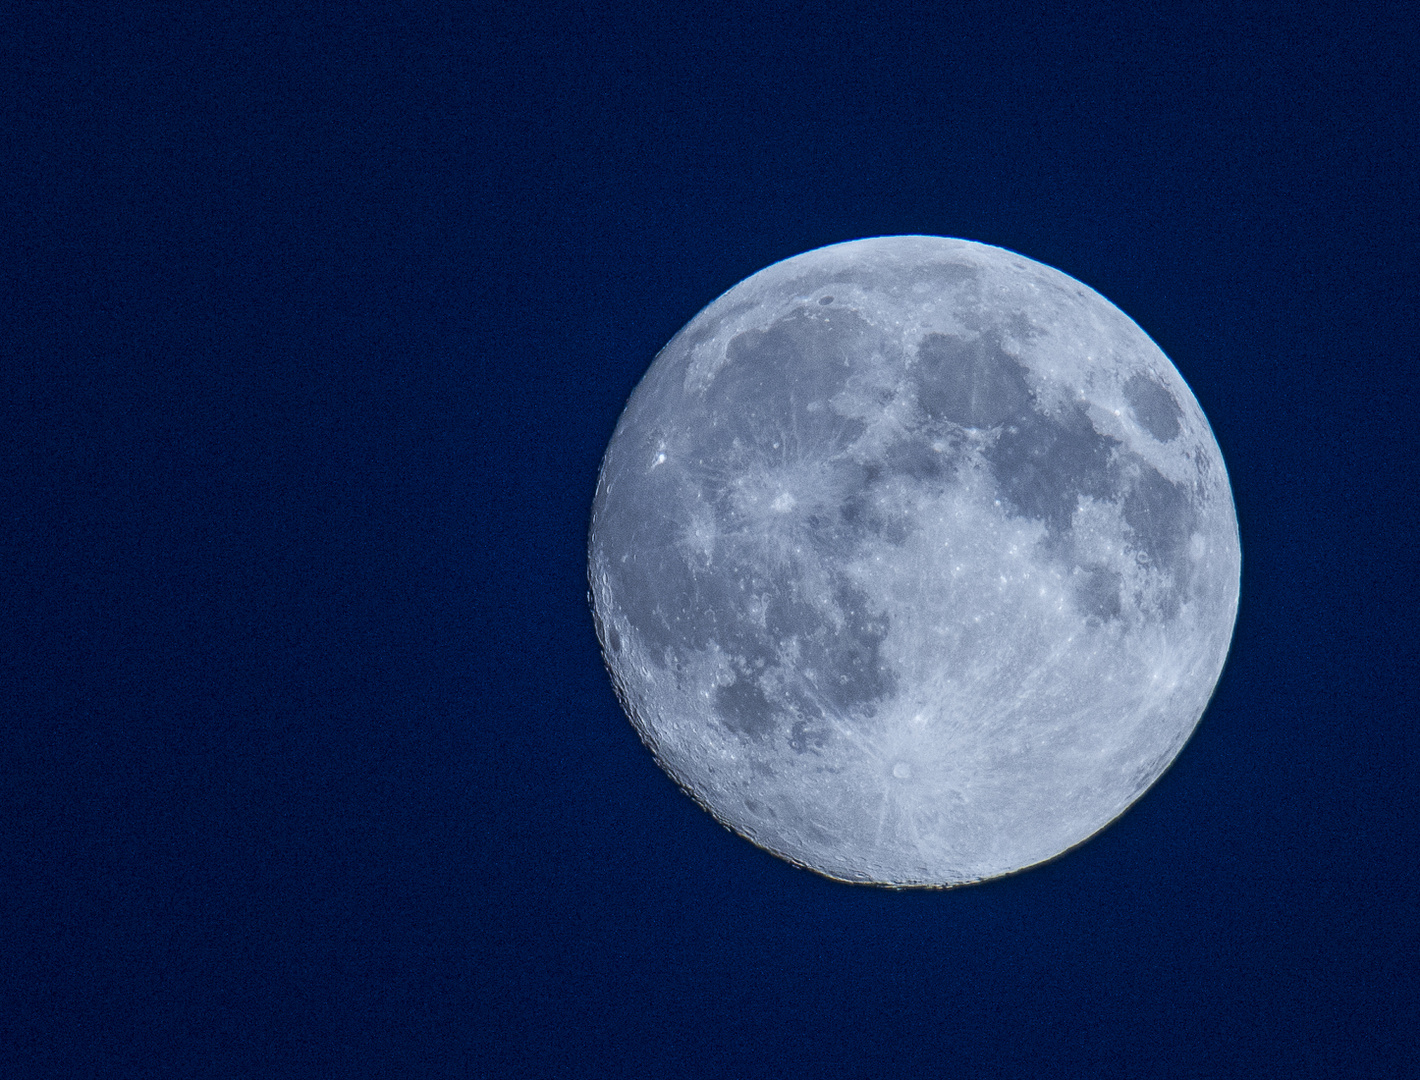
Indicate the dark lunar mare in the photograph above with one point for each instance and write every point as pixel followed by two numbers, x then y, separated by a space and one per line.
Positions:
pixel 1044 462
pixel 1154 407
pixel 766 409
pixel 1096 590
pixel 971 382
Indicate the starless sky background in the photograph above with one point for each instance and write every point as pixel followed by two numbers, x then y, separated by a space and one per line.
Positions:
pixel 316 320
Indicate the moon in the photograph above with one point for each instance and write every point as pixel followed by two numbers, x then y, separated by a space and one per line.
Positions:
pixel 913 561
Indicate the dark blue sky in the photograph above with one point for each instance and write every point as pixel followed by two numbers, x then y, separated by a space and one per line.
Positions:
pixel 316 321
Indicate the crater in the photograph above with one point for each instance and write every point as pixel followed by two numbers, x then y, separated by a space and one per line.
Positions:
pixel 803 738
pixel 744 709
pixel 758 809
pixel 1154 407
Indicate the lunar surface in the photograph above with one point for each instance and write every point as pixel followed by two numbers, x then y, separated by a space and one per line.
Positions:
pixel 913 561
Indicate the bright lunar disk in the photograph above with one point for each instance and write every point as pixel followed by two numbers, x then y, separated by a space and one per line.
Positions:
pixel 914 561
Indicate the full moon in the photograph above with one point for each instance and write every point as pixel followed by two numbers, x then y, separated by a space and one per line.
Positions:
pixel 913 561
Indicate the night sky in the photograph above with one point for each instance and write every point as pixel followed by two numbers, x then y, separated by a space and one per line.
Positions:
pixel 316 322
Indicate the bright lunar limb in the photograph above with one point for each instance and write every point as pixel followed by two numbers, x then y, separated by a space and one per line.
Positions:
pixel 914 561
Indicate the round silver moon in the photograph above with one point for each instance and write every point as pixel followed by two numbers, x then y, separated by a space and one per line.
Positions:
pixel 914 561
